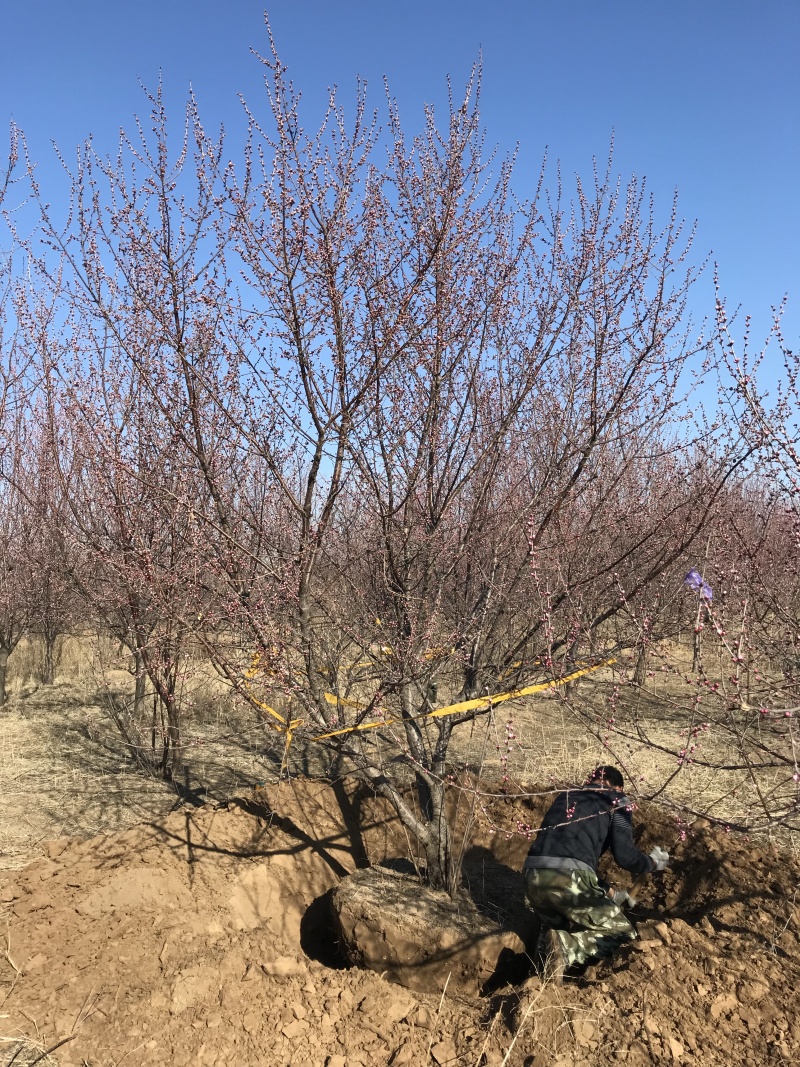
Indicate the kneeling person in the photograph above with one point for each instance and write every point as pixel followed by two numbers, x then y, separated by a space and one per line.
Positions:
pixel 578 915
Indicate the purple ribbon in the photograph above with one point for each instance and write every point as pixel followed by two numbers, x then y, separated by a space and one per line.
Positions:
pixel 694 580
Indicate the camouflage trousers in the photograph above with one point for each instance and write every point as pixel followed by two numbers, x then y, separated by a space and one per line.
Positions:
pixel 588 923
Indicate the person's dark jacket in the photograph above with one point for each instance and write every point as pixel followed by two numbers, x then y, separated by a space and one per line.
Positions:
pixel 581 825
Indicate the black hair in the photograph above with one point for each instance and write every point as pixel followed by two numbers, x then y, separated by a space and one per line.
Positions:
pixel 608 774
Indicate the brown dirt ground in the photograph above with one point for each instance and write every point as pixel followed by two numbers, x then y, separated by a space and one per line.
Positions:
pixel 205 937
pixel 145 928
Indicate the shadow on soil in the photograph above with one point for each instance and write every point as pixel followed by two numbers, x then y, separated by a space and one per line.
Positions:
pixel 497 890
pixel 318 935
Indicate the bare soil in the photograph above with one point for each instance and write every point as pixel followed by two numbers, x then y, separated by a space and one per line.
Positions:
pixel 192 924
pixel 206 937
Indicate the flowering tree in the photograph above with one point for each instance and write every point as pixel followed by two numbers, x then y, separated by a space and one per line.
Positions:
pixel 50 591
pixel 754 616
pixel 763 535
pixel 428 445
pixel 164 543
pixel 727 729
pixel 34 592
pixel 726 734
pixel 16 518
pixel 18 569
pixel 477 395
pixel 129 541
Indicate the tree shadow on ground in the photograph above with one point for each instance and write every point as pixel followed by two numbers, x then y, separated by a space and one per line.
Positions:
pixel 497 890
pixel 104 782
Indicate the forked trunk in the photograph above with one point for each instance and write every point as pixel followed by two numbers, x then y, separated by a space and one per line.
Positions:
pixel 49 667
pixel 442 869
pixel 166 731
pixel 429 826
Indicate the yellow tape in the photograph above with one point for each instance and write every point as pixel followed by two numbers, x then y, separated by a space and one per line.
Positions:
pixel 468 705
pixel 281 724
pixel 529 690
pixel 295 724
pixel 331 698
pixel 288 727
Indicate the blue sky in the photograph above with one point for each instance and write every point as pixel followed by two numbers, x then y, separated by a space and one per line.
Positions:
pixel 702 95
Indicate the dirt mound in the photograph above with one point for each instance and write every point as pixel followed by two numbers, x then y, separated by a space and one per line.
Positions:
pixel 206 938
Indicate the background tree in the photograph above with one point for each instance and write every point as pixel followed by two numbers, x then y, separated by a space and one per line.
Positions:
pixel 26 566
pixel 167 510
pixel 17 521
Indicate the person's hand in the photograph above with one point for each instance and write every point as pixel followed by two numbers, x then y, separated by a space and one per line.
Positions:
pixel 660 858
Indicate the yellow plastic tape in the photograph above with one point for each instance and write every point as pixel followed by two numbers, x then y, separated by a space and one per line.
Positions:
pixel 331 698
pixel 529 690
pixel 282 725
pixel 467 705
pixel 289 727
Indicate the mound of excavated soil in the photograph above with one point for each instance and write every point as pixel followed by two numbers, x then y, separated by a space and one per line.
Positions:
pixel 206 938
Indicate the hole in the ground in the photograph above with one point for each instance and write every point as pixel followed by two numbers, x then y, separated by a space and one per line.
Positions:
pixel 512 969
pixel 318 934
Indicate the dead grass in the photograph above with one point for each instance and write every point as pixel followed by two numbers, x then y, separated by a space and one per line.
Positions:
pixel 65 770
pixel 23 1052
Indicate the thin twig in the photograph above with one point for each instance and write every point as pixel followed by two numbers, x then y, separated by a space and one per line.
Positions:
pixel 519 1031
pixel 52 1048
pixel 436 1020
pixel 486 1039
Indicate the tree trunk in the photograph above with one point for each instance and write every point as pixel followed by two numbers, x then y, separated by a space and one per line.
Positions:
pixel 175 741
pixel 140 692
pixel 443 872
pixel 4 654
pixel 640 670
pixel 169 731
pixel 49 668
pixel 570 665
pixel 697 662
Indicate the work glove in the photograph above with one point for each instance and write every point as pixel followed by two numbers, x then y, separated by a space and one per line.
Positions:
pixel 621 896
pixel 660 858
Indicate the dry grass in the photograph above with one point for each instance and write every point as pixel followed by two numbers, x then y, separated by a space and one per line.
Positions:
pixel 65 770
pixel 22 1052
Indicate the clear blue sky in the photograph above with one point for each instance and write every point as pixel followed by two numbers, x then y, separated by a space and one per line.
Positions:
pixel 703 95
